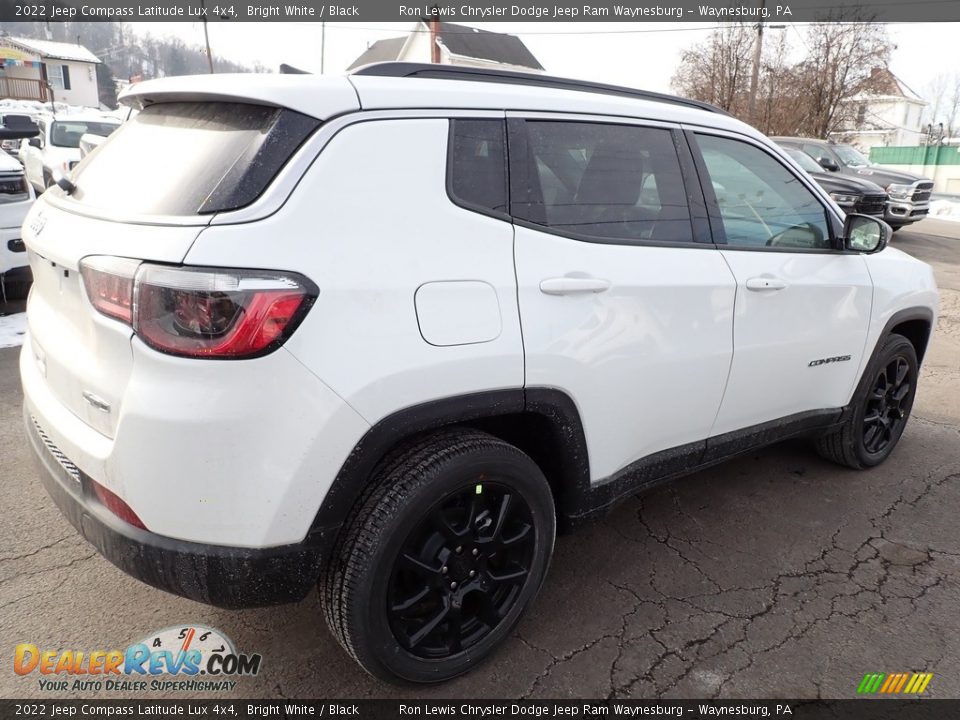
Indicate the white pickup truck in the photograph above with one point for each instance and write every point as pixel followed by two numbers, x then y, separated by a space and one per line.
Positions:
pixel 57 147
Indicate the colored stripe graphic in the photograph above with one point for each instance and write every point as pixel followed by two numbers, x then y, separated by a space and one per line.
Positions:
pixel 894 683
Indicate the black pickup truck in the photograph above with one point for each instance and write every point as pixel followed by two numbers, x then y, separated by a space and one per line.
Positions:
pixel 908 194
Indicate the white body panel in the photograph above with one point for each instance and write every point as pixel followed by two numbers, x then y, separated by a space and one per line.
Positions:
pixel 419 300
pixel 370 223
pixel 646 360
pixel 819 309
pixel 899 282
pixel 201 461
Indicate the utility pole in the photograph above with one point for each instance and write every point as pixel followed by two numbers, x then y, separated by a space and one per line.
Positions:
pixel 755 76
pixel 434 35
pixel 206 38
pixel 323 44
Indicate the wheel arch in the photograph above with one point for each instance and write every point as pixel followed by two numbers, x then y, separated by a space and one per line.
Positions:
pixel 914 323
pixel 917 328
pixel 542 422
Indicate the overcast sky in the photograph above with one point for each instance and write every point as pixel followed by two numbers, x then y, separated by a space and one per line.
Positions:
pixel 636 54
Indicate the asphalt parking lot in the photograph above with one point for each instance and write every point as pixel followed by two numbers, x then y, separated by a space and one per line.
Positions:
pixel 774 575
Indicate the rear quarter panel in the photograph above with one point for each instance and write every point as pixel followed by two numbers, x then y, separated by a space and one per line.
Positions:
pixel 370 223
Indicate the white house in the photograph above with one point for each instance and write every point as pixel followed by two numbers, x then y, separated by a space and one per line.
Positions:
pixel 456 45
pixel 44 70
pixel 887 113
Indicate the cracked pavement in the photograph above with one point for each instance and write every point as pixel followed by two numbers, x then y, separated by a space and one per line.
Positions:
pixel 773 575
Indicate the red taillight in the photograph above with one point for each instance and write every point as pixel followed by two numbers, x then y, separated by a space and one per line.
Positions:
pixel 109 284
pixel 201 312
pixel 117 506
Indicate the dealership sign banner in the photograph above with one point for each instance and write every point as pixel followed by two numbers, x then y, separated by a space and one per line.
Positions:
pixel 484 709
pixel 482 10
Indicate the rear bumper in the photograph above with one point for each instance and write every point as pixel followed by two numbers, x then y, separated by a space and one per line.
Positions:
pixel 228 577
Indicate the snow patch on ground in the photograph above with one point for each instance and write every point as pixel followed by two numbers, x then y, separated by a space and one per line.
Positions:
pixel 13 328
pixel 945 210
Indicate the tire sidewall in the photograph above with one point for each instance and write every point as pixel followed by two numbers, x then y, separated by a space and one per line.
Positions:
pixel 505 466
pixel 893 347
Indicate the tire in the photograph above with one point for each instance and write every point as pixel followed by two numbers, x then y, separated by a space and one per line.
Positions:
pixel 399 595
pixel 881 408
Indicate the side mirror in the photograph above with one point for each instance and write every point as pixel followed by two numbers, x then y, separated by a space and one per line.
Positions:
pixel 828 164
pixel 865 234
pixel 35 142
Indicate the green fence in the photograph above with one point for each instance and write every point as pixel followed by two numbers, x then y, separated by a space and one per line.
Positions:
pixel 917 155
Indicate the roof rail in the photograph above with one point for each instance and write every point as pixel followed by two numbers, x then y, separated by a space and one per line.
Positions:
pixel 456 72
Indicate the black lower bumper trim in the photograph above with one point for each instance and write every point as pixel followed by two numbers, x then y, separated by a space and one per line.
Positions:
pixel 227 577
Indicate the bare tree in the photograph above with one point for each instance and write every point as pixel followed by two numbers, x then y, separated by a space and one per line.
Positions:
pixel 776 116
pixel 812 97
pixel 951 111
pixel 717 70
pixel 841 57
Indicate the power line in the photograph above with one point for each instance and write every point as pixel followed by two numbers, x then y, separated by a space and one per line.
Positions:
pixel 557 32
pixel 711 28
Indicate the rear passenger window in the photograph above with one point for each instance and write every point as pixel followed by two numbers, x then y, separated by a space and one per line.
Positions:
pixel 478 164
pixel 602 182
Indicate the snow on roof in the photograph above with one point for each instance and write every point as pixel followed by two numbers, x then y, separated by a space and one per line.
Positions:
pixel 55 50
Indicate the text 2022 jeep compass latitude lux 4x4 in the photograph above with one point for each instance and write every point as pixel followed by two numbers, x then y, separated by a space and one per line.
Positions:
pixel 387 332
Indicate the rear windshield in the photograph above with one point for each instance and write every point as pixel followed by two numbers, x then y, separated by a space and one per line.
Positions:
pixel 189 158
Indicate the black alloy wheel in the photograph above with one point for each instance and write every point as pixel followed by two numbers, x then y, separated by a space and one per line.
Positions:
pixel 879 410
pixel 887 408
pixel 461 570
pixel 440 557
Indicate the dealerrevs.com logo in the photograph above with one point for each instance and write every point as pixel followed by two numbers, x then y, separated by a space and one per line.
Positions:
pixel 182 658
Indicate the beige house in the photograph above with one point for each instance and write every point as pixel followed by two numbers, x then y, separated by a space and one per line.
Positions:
pixel 45 70
pixel 456 45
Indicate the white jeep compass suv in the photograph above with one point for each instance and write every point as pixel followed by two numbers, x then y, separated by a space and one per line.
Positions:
pixel 387 332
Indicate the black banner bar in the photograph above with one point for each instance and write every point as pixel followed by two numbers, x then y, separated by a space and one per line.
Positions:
pixel 860 709
pixel 629 11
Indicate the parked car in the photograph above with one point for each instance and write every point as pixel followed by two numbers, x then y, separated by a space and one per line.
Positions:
pixel 16 197
pixel 908 194
pixel 92 140
pixel 15 121
pixel 57 148
pixel 850 193
pixel 376 333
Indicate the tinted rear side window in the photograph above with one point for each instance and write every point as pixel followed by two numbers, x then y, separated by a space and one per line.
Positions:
pixel 602 181
pixel 190 158
pixel 477 171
